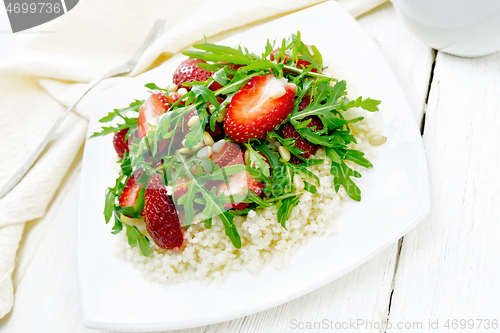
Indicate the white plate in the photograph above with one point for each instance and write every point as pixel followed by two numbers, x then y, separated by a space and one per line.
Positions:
pixel 114 294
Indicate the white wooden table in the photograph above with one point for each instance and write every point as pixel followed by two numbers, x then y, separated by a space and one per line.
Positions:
pixel 446 268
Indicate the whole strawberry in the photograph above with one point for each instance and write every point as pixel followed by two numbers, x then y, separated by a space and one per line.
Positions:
pixel 189 71
pixel 119 142
pixel 161 218
pixel 258 107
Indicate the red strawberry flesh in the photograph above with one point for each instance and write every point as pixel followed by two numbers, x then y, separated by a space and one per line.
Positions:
pixel 162 221
pixel 150 111
pixel 252 112
pixel 119 142
pixel 130 192
pixel 288 131
pixel 229 155
pixel 189 71
pixel 236 183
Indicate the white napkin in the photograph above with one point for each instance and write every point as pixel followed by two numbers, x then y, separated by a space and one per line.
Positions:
pixel 86 42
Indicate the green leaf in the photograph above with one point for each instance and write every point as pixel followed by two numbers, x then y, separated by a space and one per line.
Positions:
pixel 257 160
pixel 139 204
pixel 367 104
pixel 135 237
pixel 357 157
pixel 285 208
pixel 109 205
pixel 310 188
pixel 117 228
pixel 342 176
pixel 230 229
pixel 271 155
pixel 118 127
pixel 206 94
pixel 208 223
pixel 153 86
pixel 133 107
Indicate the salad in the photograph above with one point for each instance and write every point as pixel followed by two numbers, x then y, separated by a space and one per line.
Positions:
pixel 235 133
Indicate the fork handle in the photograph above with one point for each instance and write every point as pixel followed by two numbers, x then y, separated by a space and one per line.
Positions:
pixel 38 151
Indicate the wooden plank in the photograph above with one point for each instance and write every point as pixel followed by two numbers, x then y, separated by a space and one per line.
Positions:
pixel 449 264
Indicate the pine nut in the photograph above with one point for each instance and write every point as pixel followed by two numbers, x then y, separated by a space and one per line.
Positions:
pixel 285 153
pixel 222 115
pixel 173 87
pixel 182 91
pixel 207 138
pixel 298 182
pixel 205 152
pixel 377 140
pixel 199 145
pixel 246 157
pixel 278 93
pixel 211 108
pixel 219 145
pixel 185 151
pixel 194 169
pixel 193 120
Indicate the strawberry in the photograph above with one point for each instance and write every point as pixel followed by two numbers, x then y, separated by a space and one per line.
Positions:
pixel 236 183
pixel 181 187
pixel 119 142
pixel 189 71
pixel 172 98
pixel 217 130
pixel 288 131
pixel 130 192
pixel 252 112
pixel 154 107
pixel 229 155
pixel 162 222
pixel 301 64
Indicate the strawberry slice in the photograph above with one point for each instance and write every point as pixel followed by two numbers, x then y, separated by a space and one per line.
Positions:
pixel 130 192
pixel 288 131
pixel 149 112
pixel 236 183
pixel 119 142
pixel 181 187
pixel 162 222
pixel 253 112
pixel 229 155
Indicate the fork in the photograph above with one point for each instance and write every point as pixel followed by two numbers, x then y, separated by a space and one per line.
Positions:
pixel 120 70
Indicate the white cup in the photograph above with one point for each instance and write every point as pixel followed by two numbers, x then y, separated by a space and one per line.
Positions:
pixel 466 28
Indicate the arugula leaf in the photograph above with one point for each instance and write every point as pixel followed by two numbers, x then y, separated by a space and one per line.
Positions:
pixel 131 124
pixel 356 156
pixel 133 107
pixel 285 208
pixel 256 160
pixel 136 237
pixel 368 104
pixel 271 155
pixel 153 86
pixel 342 176
pixel 230 229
